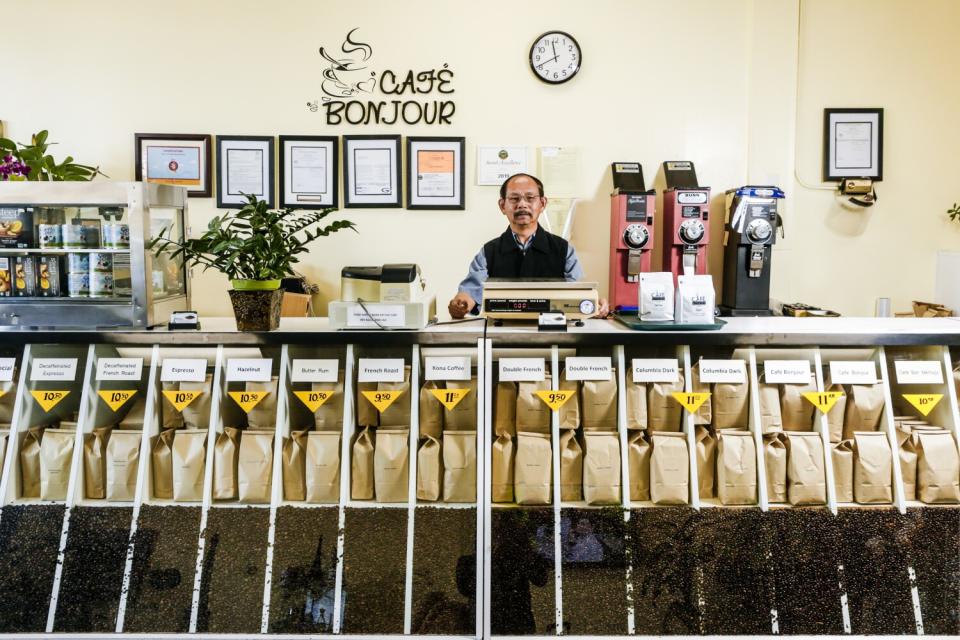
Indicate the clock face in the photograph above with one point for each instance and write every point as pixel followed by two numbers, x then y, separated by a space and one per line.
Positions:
pixel 555 57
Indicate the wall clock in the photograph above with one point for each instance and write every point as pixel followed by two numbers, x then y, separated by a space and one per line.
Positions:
pixel 555 57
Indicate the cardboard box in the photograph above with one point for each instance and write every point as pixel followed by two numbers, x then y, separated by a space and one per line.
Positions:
pixel 16 227
pixel 25 276
pixel 6 283
pixel 50 277
pixel 295 305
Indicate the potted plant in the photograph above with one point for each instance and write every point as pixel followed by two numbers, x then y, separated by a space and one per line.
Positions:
pixel 254 247
pixel 19 161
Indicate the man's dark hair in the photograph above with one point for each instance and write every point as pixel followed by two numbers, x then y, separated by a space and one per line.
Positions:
pixel 503 187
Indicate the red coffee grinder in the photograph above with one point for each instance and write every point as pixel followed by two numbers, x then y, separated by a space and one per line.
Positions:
pixel 686 213
pixel 632 210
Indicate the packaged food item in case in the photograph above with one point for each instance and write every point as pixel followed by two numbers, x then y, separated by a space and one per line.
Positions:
pixel 25 276
pixel 78 263
pixel 49 236
pixel 116 235
pixel 78 285
pixel 16 227
pixel 49 276
pixel 122 281
pixel 102 262
pixel 73 235
pixel 6 283
pixel 656 296
pixel 91 233
pixel 101 285
pixel 696 299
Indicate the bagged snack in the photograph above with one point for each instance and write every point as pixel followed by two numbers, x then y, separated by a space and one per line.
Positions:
pixel 293 461
pixel 532 470
pixel 255 466
pixel 806 478
pixel 569 414
pixel 533 414
pixel 390 465
pixel 842 456
pixel 600 404
pixel 463 417
pixel 864 407
pixel 430 469
pixel 397 415
pixel 731 406
pixel 669 468
pixel 161 459
pixel 460 466
pixel 329 415
pixel 601 467
pixel 872 468
pixel 706 444
pixel 361 468
pixel 770 417
pixel 775 462
pixel 502 468
pixel 171 416
pixel 639 461
pixel 664 413
pixel 835 415
pixel 908 465
pixel 505 411
pixel 656 297
pixel 795 410
pixel 225 464
pixel 431 412
pixel 188 458
pixel 696 299
pixel 322 467
pixel 367 415
pixel 196 415
pixel 94 463
pixel 636 405
pixel 571 467
pixel 736 467
pixel 703 415
pixel 938 468
pixel 56 449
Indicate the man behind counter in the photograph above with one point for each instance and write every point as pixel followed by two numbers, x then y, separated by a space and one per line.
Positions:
pixel 522 251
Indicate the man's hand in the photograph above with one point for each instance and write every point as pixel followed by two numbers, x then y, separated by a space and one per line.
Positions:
pixel 603 309
pixel 460 305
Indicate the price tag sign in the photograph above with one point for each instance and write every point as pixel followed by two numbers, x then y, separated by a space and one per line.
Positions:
pixel 823 400
pixel 49 399
pixel 584 368
pixel 655 370
pixel 691 401
pixel 393 316
pixel 183 370
pixel 450 397
pixel 446 368
pixel 382 399
pixel 64 369
pixel 786 372
pixel 522 369
pixel 853 372
pixel 314 370
pixel 119 368
pixel 249 370
pixel 380 370
pixel 555 399
pixel 248 399
pixel 723 371
pixel 923 402
pixel 181 399
pixel 313 399
pixel 116 398
pixel 918 372
pixel 6 369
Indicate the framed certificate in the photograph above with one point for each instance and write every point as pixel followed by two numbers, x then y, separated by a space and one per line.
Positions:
pixel 435 173
pixel 174 158
pixel 309 172
pixel 497 163
pixel 371 172
pixel 852 144
pixel 244 167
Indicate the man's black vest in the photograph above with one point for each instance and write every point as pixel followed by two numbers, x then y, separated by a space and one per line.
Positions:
pixel 546 256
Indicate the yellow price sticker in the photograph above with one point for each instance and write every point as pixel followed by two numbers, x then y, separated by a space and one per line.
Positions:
pixel 691 401
pixel 181 399
pixel 116 398
pixel 555 399
pixel 381 399
pixel 924 402
pixel 3 392
pixel 49 399
pixel 313 399
pixel 248 399
pixel 823 400
pixel 450 397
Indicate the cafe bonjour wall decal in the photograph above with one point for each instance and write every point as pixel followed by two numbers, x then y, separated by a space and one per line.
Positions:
pixel 356 93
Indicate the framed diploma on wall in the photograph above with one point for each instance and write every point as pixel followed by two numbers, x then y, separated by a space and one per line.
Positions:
pixel 181 159
pixel 244 167
pixel 435 173
pixel 852 144
pixel 371 172
pixel 309 172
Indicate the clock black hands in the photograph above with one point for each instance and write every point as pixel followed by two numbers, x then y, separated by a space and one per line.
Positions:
pixel 554 45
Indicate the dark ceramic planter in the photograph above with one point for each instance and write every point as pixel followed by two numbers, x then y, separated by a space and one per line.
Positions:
pixel 257 310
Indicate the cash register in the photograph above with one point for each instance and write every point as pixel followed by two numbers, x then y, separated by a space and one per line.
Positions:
pixel 529 298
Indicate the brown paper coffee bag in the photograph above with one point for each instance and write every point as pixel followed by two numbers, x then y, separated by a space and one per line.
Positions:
pixel 361 468
pixel 367 415
pixel 864 407
pixel 255 466
pixel 397 415
pixel 842 456
pixel 225 464
pixel 601 467
pixel 505 411
pixel 731 406
pixel 502 468
pixel 806 478
pixel 639 461
pixel 293 459
pixel 908 465
pixel 188 461
pixel 771 420
pixel 161 462
pixel 795 410
pixel 3 450
pixel 570 412
pixel 7 400
pixel 533 414
pixel 322 467
pixel 460 466
pixel 600 404
pixel 133 416
pixel 872 468
pixel 669 468
pixel 263 416
pixel 706 444
pixel 703 415
pixel 171 416
pixel 430 469
pixel 836 413
pixel 196 415
pixel 636 405
pixel 94 463
pixel 329 415
pixel 664 413
pixel 431 412
pixel 123 456
pixel 390 465
pixel 532 470
pixel 938 468
pixel 463 417
pixel 571 467
pixel 775 462
pixel 736 467
pixel 56 451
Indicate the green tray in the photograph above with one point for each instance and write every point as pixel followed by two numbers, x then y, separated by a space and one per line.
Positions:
pixel 633 322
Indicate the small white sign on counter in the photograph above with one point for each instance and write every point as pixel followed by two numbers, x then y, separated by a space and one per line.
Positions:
pixel 249 369
pixel 320 370
pixel 588 368
pixel 380 370
pixel 918 372
pixel 376 316
pixel 853 372
pixel 183 370
pixel 119 368
pixel 446 368
pixel 522 369
pixel 723 371
pixel 53 369
pixel 6 369
pixel 655 369
pixel 787 372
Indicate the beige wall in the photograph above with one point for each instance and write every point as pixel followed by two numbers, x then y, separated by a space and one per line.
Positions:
pixel 713 82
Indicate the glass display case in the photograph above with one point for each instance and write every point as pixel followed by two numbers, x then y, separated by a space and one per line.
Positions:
pixel 73 254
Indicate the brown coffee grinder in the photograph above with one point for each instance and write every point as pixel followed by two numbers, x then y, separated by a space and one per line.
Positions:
pixel 753 216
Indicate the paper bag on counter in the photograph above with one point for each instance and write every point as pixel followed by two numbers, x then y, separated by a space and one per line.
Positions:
pixel 293 463
pixel 397 415
pixel 505 411
pixel 463 417
pixel 196 415
pixel 639 461
pixel 938 468
pixel 872 468
pixel 664 413
pixel 731 406
pixel 188 459
pixel 390 465
pixel 502 468
pixel 30 462
pixel 56 450
pixel 431 411
pixel 255 466
pixel 736 467
pixel 600 404
pixel 263 416
pixel 225 464
pixel 171 416
pixel 361 467
pixel 601 467
pixel 430 469
pixel 795 410
pixel 775 461
pixel 771 420
pixel 570 412
pixel 704 414
pixel 329 415
pixel 322 467
pixel 706 444
pixel 908 465
pixel 842 456
pixel 7 400
pixel 571 467
pixel 460 466
pixel 864 408
pixel 532 470
pixel 806 477
pixel 636 405
pixel 367 415
pixel 836 413
pixel 94 463
pixel 669 468
pixel 533 414
pixel 161 462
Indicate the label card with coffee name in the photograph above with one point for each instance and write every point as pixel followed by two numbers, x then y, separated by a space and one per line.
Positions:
pixel 446 368
pixel 555 399
pixel 918 372
pixel 49 399
pixel 592 368
pixel 183 370
pixel 248 399
pixel 181 399
pixel 655 370
pixel 119 368
pixel 326 370
pixel 724 371
pixel 382 399
pixel 691 401
pixel 314 399
pixel 6 369
pixel 787 372
pixel 380 370
pixel 522 369
pixel 853 372
pixel 249 370
pixel 116 398
pixel 823 400
pixel 53 369
pixel 924 402
pixel 450 398
pixel 376 316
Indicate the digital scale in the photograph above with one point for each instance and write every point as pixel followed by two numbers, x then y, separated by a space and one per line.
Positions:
pixel 527 299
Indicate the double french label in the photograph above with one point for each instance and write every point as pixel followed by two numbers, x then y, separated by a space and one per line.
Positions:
pixel 522 369
pixel 588 368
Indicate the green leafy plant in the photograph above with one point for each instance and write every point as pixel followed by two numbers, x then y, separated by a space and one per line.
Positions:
pixel 954 213
pixel 252 243
pixel 38 165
